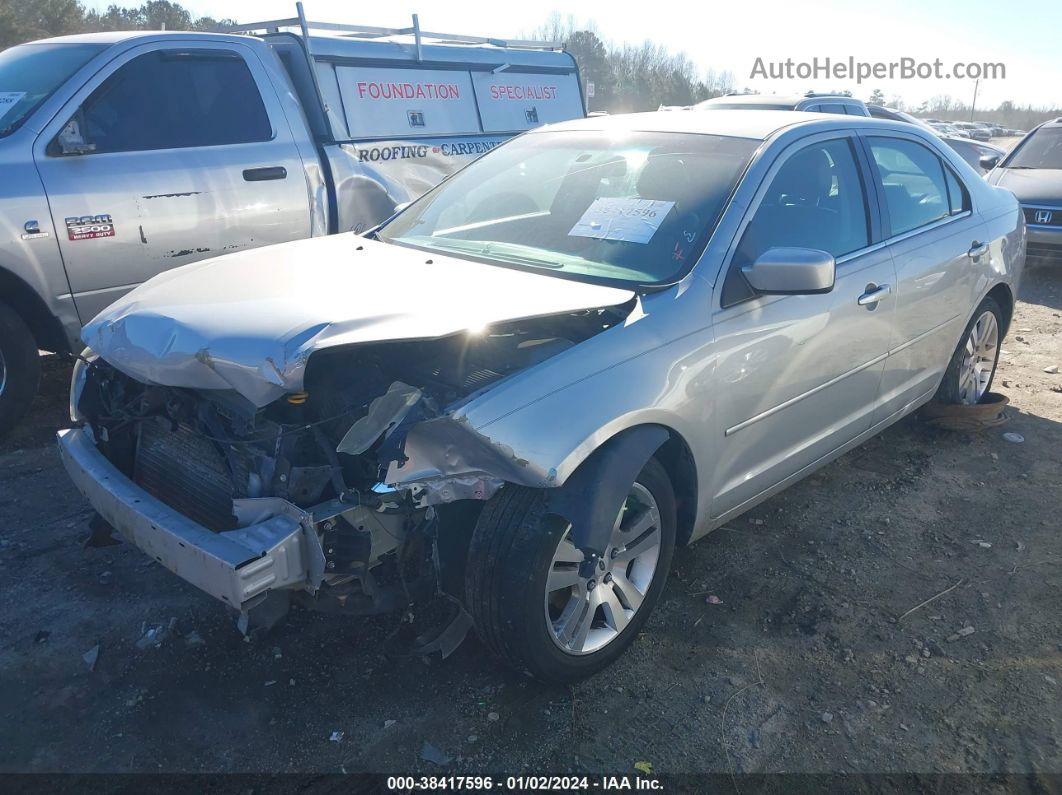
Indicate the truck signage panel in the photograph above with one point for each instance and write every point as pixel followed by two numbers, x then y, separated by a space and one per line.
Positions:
pixel 511 101
pixel 383 102
pixel 394 171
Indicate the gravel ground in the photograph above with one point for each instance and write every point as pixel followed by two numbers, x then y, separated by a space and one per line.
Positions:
pixel 805 664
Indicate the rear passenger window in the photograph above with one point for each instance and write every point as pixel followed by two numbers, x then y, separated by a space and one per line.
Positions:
pixel 816 200
pixel 914 183
pixel 175 100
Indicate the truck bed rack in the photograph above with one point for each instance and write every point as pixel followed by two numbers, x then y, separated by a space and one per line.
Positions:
pixel 368 32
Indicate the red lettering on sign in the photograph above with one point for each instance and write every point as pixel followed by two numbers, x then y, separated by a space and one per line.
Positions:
pixel 518 92
pixel 376 90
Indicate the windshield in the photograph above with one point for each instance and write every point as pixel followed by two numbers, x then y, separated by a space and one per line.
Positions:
pixel 31 72
pixel 634 207
pixel 1042 149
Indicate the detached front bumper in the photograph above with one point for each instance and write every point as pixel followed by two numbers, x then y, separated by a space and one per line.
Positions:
pixel 279 551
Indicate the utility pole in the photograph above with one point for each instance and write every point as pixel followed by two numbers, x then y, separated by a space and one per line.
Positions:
pixel 973 105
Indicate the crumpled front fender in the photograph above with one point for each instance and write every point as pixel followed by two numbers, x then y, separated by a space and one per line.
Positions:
pixel 443 447
pixel 444 450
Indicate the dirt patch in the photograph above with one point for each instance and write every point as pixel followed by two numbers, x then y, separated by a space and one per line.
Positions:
pixel 805 656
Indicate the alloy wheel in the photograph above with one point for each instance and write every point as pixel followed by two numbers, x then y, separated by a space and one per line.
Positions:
pixel 979 360
pixel 586 613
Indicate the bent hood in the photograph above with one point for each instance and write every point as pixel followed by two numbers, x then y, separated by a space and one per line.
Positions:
pixel 1031 185
pixel 249 321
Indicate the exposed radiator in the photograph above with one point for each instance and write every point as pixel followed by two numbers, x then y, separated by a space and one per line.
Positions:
pixel 187 472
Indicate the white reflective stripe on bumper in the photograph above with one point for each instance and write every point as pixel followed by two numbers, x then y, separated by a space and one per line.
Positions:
pixel 235 567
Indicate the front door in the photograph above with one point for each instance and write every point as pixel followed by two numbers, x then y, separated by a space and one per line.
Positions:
pixel 169 155
pixel 799 375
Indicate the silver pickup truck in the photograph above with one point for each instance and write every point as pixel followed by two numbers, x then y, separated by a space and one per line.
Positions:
pixel 127 154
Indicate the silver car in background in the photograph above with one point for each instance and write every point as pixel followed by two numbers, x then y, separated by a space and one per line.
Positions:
pixel 602 340
pixel 811 102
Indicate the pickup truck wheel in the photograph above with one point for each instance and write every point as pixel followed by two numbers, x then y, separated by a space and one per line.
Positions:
pixel 20 368
pixel 532 603
pixel 973 365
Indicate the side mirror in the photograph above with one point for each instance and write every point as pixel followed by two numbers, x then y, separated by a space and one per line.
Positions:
pixel 792 271
pixel 988 162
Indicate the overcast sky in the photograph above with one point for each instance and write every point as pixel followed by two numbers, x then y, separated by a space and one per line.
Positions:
pixel 1026 37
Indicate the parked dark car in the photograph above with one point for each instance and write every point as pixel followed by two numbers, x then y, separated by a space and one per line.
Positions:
pixel 976 153
pixel 1033 172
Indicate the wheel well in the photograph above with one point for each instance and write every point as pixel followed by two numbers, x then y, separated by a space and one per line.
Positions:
pixel 47 331
pixel 1005 298
pixel 677 460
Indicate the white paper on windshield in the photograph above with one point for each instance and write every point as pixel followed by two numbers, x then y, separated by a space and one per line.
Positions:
pixel 627 219
pixel 8 100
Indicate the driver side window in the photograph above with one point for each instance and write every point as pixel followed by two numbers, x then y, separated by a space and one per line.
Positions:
pixel 172 99
pixel 816 200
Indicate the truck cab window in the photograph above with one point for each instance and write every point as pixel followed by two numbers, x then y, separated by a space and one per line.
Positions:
pixel 175 100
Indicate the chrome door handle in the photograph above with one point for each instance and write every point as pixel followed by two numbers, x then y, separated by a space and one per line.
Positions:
pixel 977 250
pixel 874 294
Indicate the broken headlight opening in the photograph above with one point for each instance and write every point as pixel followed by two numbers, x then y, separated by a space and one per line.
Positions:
pixel 323 455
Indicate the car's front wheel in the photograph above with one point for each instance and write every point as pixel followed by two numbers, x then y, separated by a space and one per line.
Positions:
pixel 532 600
pixel 973 365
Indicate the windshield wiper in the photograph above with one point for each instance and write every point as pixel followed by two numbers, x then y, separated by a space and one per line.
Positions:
pixel 538 263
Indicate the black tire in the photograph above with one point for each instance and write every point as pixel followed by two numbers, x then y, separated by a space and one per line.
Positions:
pixel 20 368
pixel 509 559
pixel 948 391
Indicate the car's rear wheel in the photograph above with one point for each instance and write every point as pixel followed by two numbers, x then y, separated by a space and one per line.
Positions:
pixel 20 368
pixel 533 601
pixel 973 365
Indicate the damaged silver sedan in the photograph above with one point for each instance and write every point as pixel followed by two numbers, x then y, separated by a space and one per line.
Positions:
pixel 516 397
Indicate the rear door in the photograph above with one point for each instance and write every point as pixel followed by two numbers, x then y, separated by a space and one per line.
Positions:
pixel 184 154
pixel 934 237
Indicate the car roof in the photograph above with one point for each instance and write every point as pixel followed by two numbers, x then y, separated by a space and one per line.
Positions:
pixel 755 124
pixel 786 99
